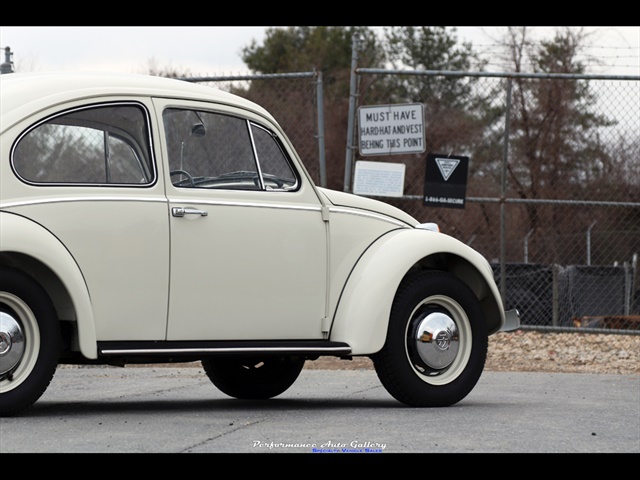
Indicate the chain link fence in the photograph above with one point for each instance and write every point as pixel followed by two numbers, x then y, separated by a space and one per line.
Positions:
pixel 553 183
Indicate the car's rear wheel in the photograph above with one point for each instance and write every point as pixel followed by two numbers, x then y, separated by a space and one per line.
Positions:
pixel 436 343
pixel 253 378
pixel 29 341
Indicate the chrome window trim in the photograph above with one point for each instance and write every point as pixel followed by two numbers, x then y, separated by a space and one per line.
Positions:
pixel 286 158
pixel 250 123
pixel 256 159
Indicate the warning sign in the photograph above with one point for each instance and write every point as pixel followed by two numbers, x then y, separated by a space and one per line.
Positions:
pixel 447 166
pixel 446 181
pixel 391 129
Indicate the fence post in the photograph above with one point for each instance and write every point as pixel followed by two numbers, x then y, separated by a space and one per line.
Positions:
pixel 627 288
pixel 321 152
pixel 503 194
pixel 632 285
pixel 526 246
pixel 555 302
pixel 589 243
pixel 352 105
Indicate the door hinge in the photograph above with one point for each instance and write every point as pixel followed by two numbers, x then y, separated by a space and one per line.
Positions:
pixel 326 325
pixel 325 213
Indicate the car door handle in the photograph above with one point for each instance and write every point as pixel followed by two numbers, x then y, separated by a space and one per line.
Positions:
pixel 181 212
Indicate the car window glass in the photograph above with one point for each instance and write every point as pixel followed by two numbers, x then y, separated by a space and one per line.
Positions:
pixel 97 145
pixel 213 150
pixel 275 168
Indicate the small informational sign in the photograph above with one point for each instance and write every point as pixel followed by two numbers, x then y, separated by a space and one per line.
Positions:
pixel 391 129
pixel 379 179
pixel 446 181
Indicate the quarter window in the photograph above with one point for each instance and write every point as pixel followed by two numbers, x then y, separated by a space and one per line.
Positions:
pixel 97 145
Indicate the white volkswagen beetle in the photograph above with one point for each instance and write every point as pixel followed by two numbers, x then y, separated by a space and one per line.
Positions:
pixel 145 219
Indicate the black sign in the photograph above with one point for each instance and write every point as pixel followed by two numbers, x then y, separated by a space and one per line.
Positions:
pixel 446 181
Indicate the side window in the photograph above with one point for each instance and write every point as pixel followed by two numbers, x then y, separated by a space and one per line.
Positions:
pixel 97 145
pixel 213 150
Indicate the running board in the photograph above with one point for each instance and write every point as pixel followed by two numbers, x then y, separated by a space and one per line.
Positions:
pixel 192 348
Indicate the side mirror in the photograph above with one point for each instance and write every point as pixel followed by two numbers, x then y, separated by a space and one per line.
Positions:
pixel 198 130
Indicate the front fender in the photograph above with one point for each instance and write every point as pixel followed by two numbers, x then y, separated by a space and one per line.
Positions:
pixel 362 314
pixel 20 235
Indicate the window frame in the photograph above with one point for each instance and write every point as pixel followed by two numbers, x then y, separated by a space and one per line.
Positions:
pixel 249 124
pixel 146 163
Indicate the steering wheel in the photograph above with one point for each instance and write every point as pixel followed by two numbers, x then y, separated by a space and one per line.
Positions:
pixel 267 177
pixel 186 174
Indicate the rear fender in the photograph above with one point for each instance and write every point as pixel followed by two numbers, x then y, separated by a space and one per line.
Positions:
pixel 19 235
pixel 362 314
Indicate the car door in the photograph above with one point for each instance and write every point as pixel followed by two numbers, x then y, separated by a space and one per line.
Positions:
pixel 248 247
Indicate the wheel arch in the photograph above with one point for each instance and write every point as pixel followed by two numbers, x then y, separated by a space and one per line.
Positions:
pixel 362 314
pixel 32 249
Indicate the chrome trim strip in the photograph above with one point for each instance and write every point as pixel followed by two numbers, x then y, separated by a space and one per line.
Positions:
pixel 147 351
pixel 105 198
pixel 255 154
pixel 362 213
pixel 188 201
pixel 200 201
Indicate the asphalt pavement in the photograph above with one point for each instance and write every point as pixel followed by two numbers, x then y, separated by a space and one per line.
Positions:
pixel 326 412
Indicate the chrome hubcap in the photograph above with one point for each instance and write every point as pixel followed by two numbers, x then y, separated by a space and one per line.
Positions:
pixel 12 344
pixel 435 341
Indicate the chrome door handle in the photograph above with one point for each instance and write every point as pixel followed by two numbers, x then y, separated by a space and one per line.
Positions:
pixel 181 212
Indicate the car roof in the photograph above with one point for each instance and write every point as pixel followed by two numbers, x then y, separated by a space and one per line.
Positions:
pixel 22 94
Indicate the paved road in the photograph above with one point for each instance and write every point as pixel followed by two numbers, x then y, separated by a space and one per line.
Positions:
pixel 175 410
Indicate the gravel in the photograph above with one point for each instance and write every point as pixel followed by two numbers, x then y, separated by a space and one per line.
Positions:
pixel 532 351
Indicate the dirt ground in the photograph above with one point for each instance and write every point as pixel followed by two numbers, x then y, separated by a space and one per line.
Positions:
pixel 531 351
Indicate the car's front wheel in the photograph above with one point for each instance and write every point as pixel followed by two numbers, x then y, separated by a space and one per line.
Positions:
pixel 253 378
pixel 29 341
pixel 436 343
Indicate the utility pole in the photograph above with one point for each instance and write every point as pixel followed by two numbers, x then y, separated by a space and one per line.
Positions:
pixel 7 65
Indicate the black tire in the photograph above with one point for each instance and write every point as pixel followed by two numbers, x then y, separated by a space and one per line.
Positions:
pixel 29 341
pixel 253 378
pixel 436 344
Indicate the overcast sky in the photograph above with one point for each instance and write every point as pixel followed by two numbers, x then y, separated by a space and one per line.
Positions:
pixel 202 51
